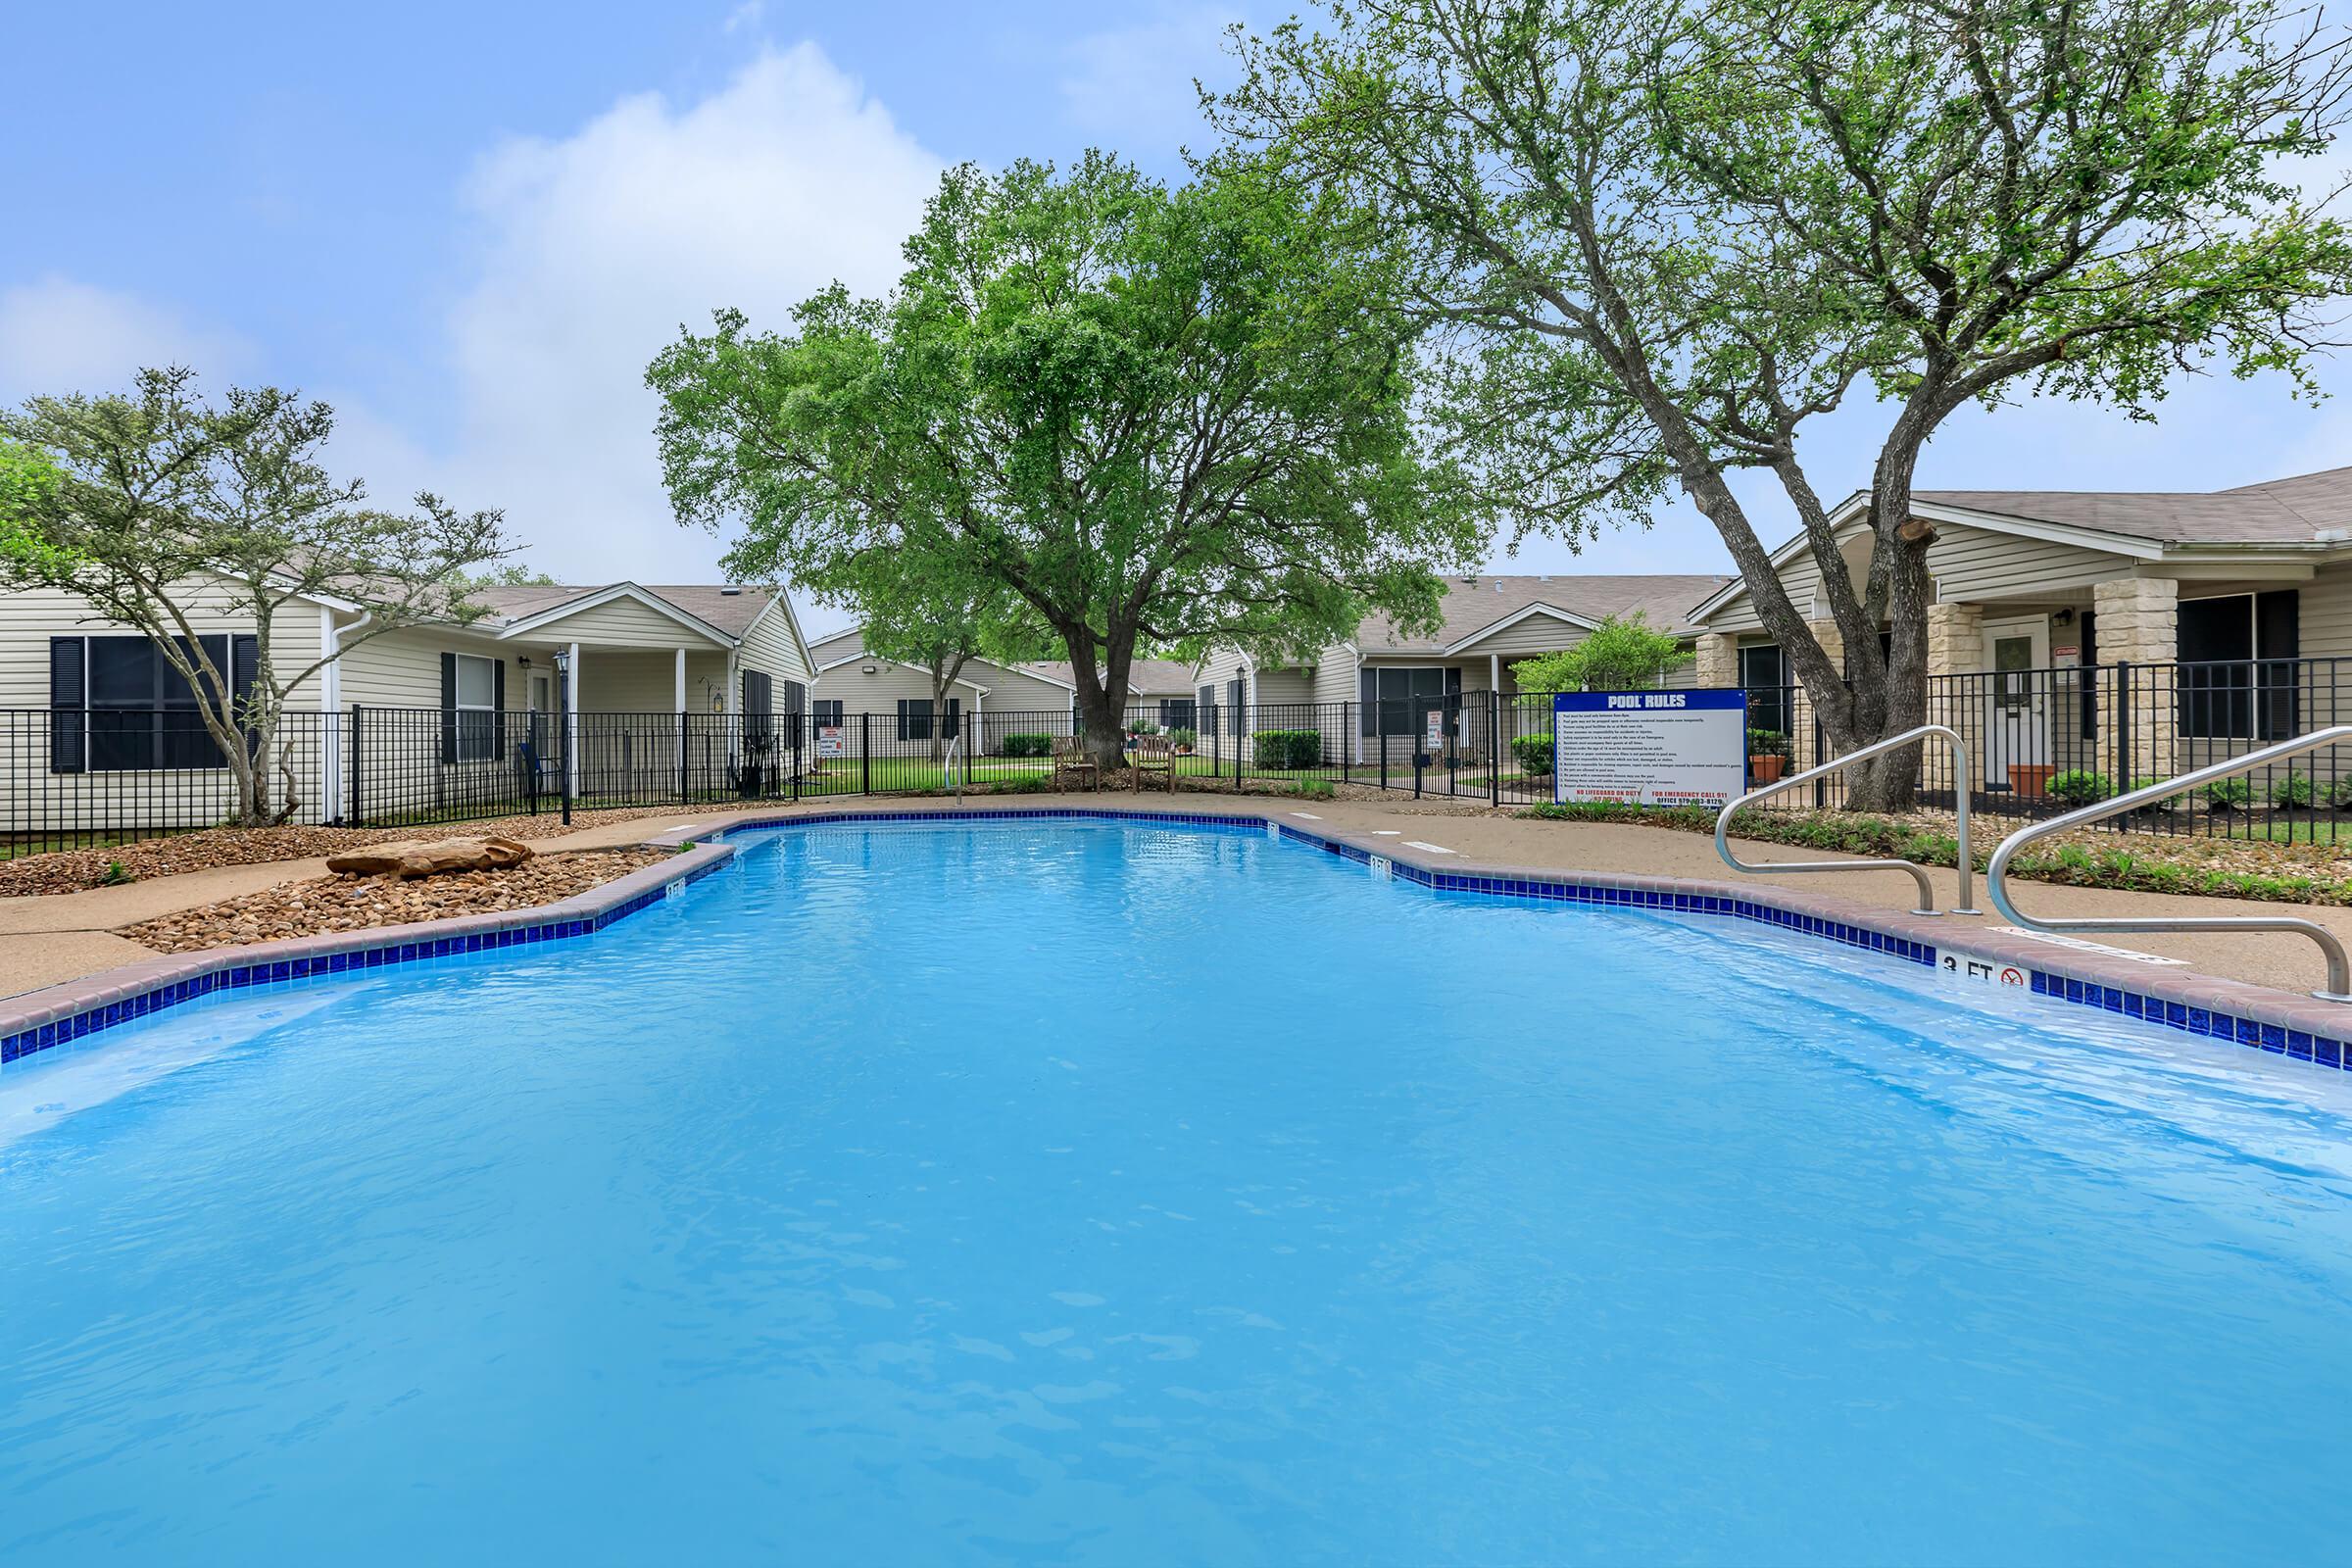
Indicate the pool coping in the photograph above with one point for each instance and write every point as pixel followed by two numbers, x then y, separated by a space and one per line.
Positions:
pixel 2259 1017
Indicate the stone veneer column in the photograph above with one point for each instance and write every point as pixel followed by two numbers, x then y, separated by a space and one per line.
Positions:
pixel 2140 624
pixel 1719 660
pixel 1956 639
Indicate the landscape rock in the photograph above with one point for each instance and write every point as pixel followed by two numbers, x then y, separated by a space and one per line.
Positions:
pixel 439 858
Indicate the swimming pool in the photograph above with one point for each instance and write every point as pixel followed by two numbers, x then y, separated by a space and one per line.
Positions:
pixel 1099 1192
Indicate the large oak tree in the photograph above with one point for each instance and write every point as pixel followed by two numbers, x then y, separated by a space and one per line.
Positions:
pixel 1159 419
pixel 1660 238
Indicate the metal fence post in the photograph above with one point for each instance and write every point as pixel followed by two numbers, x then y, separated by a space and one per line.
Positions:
pixel 866 753
pixel 685 750
pixel 1494 748
pixel 570 740
pixel 354 765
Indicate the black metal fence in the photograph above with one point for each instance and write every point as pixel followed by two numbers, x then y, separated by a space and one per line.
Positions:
pixel 2040 741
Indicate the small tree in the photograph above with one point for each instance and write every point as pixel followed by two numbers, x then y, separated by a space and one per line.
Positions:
pixel 1621 654
pixel 1155 417
pixel 163 512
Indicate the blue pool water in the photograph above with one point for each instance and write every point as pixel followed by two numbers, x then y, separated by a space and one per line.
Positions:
pixel 1100 1195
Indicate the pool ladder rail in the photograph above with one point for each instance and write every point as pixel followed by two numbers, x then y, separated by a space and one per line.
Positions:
pixel 1927 889
pixel 2340 970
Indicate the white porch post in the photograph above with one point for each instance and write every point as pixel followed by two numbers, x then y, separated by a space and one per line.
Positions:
pixel 681 681
pixel 1496 743
pixel 572 720
pixel 330 703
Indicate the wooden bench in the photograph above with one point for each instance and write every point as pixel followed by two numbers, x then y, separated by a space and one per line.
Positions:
pixel 1152 759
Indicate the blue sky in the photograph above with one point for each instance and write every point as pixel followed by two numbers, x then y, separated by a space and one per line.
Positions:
pixel 469 226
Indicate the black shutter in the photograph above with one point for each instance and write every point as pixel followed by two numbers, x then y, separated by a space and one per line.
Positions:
pixel 1367 700
pixel 1233 700
pixel 2277 637
pixel 2088 651
pixel 497 704
pixel 448 709
pixel 903 718
pixel 67 715
pixel 954 719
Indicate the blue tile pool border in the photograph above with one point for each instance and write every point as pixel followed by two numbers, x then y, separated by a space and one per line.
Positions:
pixel 2258 1017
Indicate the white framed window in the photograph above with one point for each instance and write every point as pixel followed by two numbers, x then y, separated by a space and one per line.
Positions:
pixel 475 708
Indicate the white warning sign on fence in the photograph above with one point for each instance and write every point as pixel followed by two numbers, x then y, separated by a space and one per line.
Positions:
pixel 828 742
pixel 1687 748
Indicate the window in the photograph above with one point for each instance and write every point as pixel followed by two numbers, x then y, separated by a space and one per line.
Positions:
pixel 1764 675
pixel 1233 706
pixel 1175 712
pixel 473 691
pixel 759 707
pixel 2237 676
pixel 1205 706
pixel 116 704
pixel 828 710
pixel 916 719
pixel 1396 701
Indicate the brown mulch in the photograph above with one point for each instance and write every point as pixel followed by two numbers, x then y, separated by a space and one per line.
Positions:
pixel 357 903
pixel 73 871
pixel 2323 862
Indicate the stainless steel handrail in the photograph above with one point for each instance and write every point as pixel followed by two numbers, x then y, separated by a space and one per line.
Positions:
pixel 1927 889
pixel 2339 971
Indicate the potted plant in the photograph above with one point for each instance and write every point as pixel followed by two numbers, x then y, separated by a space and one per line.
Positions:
pixel 2030 781
pixel 1767 756
pixel 1180 740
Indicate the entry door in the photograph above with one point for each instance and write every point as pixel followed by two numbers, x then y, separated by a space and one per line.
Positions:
pixel 542 703
pixel 2017 718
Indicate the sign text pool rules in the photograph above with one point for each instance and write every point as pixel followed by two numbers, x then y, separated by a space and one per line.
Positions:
pixel 1685 747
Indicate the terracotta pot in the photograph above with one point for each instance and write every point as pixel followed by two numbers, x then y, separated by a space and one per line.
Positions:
pixel 2033 782
pixel 1767 769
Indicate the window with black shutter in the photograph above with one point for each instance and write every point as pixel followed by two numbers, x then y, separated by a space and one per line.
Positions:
pixel 1764 675
pixel 2237 670
pixel 759 706
pixel 474 694
pixel 915 718
pixel 116 704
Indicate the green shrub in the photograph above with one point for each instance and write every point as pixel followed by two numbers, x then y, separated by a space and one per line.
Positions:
pixel 2293 792
pixel 2340 795
pixel 2169 802
pixel 2229 793
pixel 1767 743
pixel 1181 737
pixel 1534 755
pixel 1287 747
pixel 2079 788
pixel 1028 745
pixel 1146 728
pixel 1314 789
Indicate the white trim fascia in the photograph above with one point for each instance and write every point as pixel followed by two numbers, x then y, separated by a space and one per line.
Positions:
pixel 605 596
pixel 897 664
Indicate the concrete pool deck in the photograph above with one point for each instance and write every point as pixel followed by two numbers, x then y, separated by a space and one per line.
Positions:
pixel 60 937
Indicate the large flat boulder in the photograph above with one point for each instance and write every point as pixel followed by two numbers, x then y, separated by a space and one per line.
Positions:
pixel 490 853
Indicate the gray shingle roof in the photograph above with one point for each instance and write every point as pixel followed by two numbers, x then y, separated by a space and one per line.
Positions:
pixel 1474 603
pixel 2292 511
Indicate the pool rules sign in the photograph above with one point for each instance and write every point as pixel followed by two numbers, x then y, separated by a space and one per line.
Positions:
pixel 1649 747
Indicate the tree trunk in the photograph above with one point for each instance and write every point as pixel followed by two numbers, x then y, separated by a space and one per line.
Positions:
pixel 1900 581
pixel 1102 696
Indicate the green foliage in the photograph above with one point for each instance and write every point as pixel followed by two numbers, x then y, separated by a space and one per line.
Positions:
pixel 1767 743
pixel 510 574
pixel 1283 749
pixel 2078 788
pixel 1314 789
pixel 1534 754
pixel 2229 793
pixel 2340 794
pixel 1181 738
pixel 1154 417
pixel 2292 791
pixel 1663 240
pixel 1028 745
pixel 1618 655
pixel 116 875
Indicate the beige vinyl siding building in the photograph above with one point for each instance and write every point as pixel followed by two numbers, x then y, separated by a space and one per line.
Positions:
pixel 2226 593
pixel 419 718
pixel 1378 689
pixel 885 705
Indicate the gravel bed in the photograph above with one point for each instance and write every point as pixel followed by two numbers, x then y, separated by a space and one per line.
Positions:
pixel 73 871
pixel 358 903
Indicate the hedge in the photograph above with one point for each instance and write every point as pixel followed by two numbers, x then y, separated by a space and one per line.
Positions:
pixel 1028 745
pixel 1534 754
pixel 1287 747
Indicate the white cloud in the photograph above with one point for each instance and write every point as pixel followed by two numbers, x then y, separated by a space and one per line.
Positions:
pixel 1135 85
pixel 57 335
pixel 595 248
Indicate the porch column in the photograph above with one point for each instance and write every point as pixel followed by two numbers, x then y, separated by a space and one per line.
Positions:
pixel 681 681
pixel 572 719
pixel 1956 639
pixel 1719 659
pixel 2140 624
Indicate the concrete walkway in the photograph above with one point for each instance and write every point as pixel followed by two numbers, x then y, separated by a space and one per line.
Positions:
pixel 65 936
